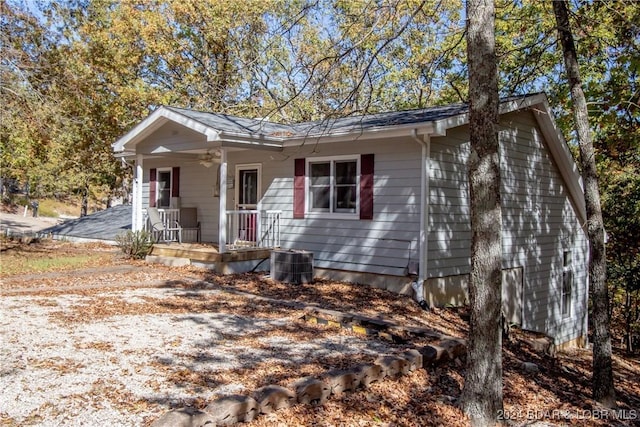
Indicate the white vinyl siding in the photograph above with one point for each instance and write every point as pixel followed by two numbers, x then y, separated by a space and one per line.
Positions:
pixel 383 245
pixel 539 226
pixel 539 223
pixel 449 220
pixel 191 195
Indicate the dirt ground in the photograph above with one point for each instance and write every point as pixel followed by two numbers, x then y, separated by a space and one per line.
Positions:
pixel 121 343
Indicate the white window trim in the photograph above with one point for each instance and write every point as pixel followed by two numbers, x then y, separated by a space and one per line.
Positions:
pixel 157 183
pixel 307 181
pixel 248 166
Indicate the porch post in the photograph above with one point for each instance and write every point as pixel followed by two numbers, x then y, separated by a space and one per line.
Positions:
pixel 136 220
pixel 222 222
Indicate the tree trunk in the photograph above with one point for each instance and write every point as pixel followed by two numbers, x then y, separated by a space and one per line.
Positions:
pixel 482 394
pixel 84 204
pixel 603 389
pixel 628 321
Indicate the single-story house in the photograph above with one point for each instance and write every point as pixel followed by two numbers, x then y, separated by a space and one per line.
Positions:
pixel 377 197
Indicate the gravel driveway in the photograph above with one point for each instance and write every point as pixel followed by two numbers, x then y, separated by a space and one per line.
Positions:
pixel 122 356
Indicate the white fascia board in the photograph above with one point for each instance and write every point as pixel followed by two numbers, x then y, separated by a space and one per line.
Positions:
pixel 124 154
pixel 442 126
pixel 373 133
pixel 522 103
pixel 156 119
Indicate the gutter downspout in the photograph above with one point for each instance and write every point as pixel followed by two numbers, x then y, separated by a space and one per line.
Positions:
pixel 425 172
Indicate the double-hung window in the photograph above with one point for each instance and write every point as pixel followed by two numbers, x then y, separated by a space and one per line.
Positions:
pixel 333 185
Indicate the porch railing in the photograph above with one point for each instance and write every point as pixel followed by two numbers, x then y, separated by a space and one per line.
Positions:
pixel 168 217
pixel 252 229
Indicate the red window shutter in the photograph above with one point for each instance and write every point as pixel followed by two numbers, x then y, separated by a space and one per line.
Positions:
pixel 366 186
pixel 152 188
pixel 298 188
pixel 175 185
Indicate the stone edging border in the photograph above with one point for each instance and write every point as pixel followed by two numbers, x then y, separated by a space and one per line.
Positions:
pixel 370 326
pixel 233 409
pixel 229 410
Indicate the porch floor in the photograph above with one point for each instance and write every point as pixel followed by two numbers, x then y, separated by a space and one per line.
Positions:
pixel 207 252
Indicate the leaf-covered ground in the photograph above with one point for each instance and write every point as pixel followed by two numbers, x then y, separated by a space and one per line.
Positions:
pixel 117 290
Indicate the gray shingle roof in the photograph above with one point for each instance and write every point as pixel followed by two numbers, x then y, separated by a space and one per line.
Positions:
pixel 351 124
pixel 102 225
pixel 234 124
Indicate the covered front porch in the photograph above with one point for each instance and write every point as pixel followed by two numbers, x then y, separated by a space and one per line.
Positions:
pixel 205 164
pixel 245 230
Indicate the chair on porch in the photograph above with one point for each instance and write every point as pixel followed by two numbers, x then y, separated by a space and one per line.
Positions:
pixel 159 229
pixel 189 221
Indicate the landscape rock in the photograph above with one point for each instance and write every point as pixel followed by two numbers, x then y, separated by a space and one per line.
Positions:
pixel 392 365
pixel 232 409
pixel 530 368
pixel 273 397
pixel 310 391
pixel 454 347
pixel 370 374
pixel 433 354
pixel 184 417
pixel 342 381
pixel 413 358
pixel 542 345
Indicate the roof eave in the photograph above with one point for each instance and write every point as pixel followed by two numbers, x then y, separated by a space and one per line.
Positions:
pixel 377 132
pixel 154 121
pixel 526 101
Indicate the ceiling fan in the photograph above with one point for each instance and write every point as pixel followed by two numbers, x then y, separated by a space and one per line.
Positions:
pixel 208 159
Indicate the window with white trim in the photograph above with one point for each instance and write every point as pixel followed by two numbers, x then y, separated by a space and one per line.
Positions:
pixel 333 185
pixel 567 284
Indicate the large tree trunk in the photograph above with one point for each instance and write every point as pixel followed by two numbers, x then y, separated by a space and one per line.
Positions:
pixel 84 203
pixel 482 394
pixel 603 389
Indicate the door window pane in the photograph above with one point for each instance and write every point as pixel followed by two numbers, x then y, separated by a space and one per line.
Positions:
pixel 248 187
pixel 164 189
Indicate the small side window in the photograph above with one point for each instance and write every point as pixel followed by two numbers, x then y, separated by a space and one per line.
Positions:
pixel 567 284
